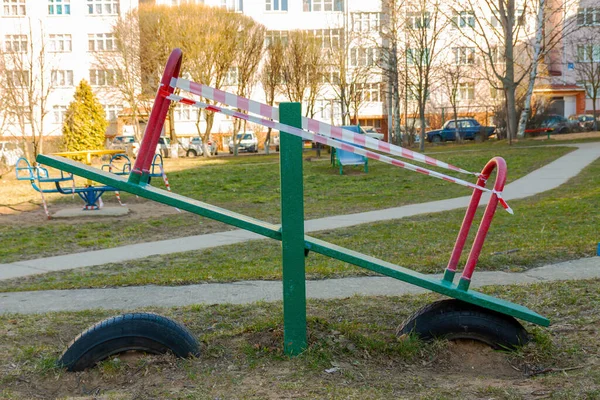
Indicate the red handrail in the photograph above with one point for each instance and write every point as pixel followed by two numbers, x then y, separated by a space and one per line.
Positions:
pixel 157 118
pixel 484 226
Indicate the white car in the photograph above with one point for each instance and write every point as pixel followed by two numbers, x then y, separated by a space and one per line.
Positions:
pixel 126 143
pixel 247 142
pixel 10 153
pixel 195 148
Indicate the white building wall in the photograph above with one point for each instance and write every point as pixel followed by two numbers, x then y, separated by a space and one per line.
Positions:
pixel 79 59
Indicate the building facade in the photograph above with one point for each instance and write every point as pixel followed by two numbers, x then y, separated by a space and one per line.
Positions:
pixel 53 45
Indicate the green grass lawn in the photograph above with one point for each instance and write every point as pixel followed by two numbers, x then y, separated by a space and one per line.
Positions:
pixel 250 185
pixel 558 225
pixel 353 353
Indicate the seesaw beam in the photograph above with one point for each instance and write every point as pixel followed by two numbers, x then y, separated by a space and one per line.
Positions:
pixel 315 245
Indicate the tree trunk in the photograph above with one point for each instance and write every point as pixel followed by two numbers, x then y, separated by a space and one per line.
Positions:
pixel 511 114
pixel 537 48
pixel 422 133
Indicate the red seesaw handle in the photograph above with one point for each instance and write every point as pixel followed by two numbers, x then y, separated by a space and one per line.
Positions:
pixel 484 226
pixel 157 118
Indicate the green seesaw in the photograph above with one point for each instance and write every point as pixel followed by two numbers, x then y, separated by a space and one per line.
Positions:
pixel 468 314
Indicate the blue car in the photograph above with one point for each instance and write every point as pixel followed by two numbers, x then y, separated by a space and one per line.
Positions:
pixel 468 129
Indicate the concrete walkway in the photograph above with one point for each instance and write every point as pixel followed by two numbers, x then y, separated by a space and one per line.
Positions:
pixel 128 298
pixel 546 178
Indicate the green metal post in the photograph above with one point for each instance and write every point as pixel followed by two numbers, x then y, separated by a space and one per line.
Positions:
pixel 292 232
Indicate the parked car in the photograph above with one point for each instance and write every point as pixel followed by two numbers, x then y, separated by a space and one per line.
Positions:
pixel 550 123
pixel 247 142
pixel 10 152
pixel 163 146
pixel 585 121
pixel 372 132
pixel 195 148
pixel 126 143
pixel 468 129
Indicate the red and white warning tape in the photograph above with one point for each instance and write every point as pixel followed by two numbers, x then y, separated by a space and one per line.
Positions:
pixel 117 194
pixel 333 143
pixel 309 124
pixel 166 181
pixel 42 194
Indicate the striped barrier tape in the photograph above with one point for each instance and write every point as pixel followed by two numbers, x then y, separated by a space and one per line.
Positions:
pixel 333 143
pixel 309 124
pixel 42 194
pixel 166 181
pixel 117 194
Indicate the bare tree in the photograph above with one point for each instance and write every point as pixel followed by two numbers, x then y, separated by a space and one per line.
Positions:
pixel 588 70
pixel 510 53
pixel 423 30
pixel 302 69
pixel 452 77
pixel 270 78
pixel 249 53
pixel 25 84
pixel 392 32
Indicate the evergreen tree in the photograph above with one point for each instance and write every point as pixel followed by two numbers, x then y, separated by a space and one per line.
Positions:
pixel 85 122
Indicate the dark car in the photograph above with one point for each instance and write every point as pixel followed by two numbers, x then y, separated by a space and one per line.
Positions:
pixel 468 129
pixel 585 121
pixel 550 123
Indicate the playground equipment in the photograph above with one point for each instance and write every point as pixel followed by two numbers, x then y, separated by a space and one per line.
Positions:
pixel 469 314
pixel 90 193
pixel 343 157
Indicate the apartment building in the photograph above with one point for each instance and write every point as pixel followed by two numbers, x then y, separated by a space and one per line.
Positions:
pixel 67 35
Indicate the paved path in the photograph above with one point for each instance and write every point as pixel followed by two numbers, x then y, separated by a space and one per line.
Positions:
pixel 546 178
pixel 128 298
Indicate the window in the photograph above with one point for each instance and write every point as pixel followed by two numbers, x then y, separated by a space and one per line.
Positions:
pixel 102 42
pixel 60 43
pixel 331 76
pixel 588 53
pixel 104 77
pixel 276 5
pixel 272 36
pixel 466 91
pixel 112 111
pixel 233 5
pixel 495 19
pixel 520 17
pixel 62 77
pixel 14 8
pixel 15 43
pixel 588 16
pixel 414 92
pixel 329 38
pixel 497 54
pixel 183 112
pixel 417 20
pixel 323 109
pixel 103 7
pixel 464 55
pixel 17 77
pixel 322 5
pixel 363 56
pixel 463 19
pixel 232 79
pixel 494 92
pixel 417 56
pixel 369 91
pixel 59 114
pixel 366 21
pixel 59 7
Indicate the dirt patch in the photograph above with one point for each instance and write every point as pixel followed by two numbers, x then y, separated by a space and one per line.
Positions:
pixel 30 213
pixel 469 357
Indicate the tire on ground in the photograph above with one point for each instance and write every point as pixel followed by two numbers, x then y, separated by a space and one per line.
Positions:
pixel 191 153
pixel 455 319
pixel 146 332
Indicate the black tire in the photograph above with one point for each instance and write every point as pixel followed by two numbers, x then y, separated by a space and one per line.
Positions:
pixel 455 319
pixel 277 148
pixel 191 153
pixel 146 332
pixel 436 139
pixel 478 137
